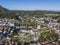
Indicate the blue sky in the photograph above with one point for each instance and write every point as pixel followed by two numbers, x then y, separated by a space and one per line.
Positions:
pixel 31 4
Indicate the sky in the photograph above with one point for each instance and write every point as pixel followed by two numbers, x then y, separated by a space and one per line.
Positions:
pixel 31 4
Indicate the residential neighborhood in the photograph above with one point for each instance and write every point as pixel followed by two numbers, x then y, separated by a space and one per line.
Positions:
pixel 29 31
pixel 29 22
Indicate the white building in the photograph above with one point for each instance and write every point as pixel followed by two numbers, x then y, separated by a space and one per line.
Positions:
pixel 38 26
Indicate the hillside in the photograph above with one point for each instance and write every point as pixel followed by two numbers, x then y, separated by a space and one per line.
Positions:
pixel 5 13
pixel 2 9
pixel 13 13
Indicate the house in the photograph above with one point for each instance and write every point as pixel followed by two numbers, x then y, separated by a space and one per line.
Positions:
pixel 38 26
pixel 10 24
pixel 1 42
pixel 53 25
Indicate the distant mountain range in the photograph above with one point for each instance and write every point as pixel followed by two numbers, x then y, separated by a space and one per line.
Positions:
pixel 12 13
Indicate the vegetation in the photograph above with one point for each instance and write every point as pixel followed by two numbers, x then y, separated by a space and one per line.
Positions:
pixel 55 17
pixel 58 21
pixel 46 21
pixel 48 36
pixel 5 13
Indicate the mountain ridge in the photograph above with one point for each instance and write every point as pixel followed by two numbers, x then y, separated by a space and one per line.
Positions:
pixel 13 13
pixel 1 7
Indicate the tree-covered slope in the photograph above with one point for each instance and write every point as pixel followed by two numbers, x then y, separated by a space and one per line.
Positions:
pixel 5 13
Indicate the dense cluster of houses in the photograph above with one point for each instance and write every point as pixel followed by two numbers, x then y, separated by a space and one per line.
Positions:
pixel 8 26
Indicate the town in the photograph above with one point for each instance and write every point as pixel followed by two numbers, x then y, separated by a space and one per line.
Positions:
pixel 28 30
pixel 29 22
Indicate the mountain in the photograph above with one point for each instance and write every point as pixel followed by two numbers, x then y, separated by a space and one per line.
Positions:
pixel 5 13
pixel 2 9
